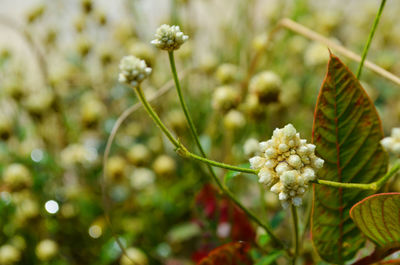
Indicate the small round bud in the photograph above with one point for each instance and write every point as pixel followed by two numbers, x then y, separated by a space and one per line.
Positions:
pixel 257 162
pixel 227 73
pixel 266 85
pixel 271 152
pixel 265 176
pixel 133 71
pixel 116 167
pixel 136 255
pixel 234 119
pixel 281 168
pixel 294 161
pixel 270 163
pixel 282 196
pixel 251 147
pixel 9 254
pixel 225 98
pixel 283 148
pixel 169 38
pixel 142 178
pixel 46 249
pixel 138 154
pixel 164 165
pixel 318 163
pixel 17 176
pixel 289 177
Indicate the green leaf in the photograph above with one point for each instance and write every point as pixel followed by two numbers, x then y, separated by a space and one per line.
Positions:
pixel 270 258
pixel 232 174
pixel 378 216
pixel 346 131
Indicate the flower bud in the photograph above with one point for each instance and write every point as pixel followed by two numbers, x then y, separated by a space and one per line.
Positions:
pixel 169 38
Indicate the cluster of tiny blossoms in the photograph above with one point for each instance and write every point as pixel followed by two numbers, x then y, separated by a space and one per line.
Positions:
pixel 169 38
pixel 286 165
pixel 392 143
pixel 133 71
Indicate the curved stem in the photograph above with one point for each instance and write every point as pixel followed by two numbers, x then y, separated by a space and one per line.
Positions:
pixel 154 116
pixel 181 150
pixel 296 232
pixel 369 186
pixel 370 37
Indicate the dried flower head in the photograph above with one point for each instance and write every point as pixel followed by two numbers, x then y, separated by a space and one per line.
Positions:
pixel 392 143
pixel 133 71
pixel 169 38
pixel 286 165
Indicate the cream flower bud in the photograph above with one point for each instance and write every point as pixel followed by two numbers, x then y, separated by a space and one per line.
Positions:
pixel 282 196
pixel 257 162
pixel 133 71
pixel 289 177
pixel 270 152
pixel 318 163
pixel 289 131
pixel 294 161
pixel 276 188
pixel 281 168
pixel 265 176
pixel 264 146
pixel 169 38
pixel 308 174
pixel 270 163
pixel 287 165
pixel 392 143
pixel 283 147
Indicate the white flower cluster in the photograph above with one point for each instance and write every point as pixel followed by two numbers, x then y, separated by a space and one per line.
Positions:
pixel 286 165
pixel 133 70
pixel 169 38
pixel 392 143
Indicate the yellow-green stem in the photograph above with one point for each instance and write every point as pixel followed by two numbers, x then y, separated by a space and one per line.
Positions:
pixel 369 186
pixel 181 150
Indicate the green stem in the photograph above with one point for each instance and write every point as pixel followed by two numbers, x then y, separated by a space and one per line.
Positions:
pixel 220 165
pixel 370 186
pixel 296 233
pixel 155 117
pixel 181 150
pixel 183 104
pixel 370 37
pixel 203 157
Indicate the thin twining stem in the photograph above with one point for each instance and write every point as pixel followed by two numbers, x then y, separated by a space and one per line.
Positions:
pixel 182 151
pixel 370 37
